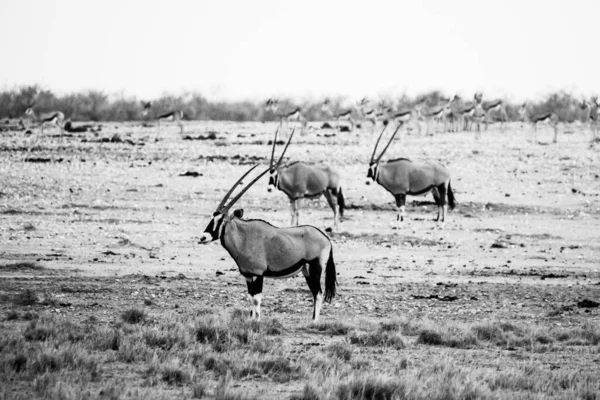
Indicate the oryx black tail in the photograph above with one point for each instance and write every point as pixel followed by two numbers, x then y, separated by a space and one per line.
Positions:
pixel 330 278
pixel 341 201
pixel 451 198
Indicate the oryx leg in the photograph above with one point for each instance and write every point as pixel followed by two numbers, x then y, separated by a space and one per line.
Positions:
pixel 255 286
pixel 332 200
pixel 439 195
pixel 401 204
pixel 312 273
pixel 294 211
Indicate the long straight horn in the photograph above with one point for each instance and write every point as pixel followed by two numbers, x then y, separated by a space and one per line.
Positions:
pixel 390 142
pixel 377 144
pixel 248 186
pixel 220 207
pixel 273 149
pixel 286 146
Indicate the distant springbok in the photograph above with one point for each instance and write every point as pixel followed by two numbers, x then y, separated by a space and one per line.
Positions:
pixel 55 118
pixel 339 115
pixel 262 250
pixel 591 117
pixel 403 177
pixel 550 118
pixel 173 115
pixel 300 180
pixel 272 105
pixel 490 107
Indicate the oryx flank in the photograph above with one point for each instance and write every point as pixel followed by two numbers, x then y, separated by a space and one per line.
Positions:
pixel 262 250
pixel 173 115
pixel 339 115
pixel 56 118
pixel 403 177
pixel 300 180
pixel 272 105
pixel 490 107
pixel 550 118
pixel 590 117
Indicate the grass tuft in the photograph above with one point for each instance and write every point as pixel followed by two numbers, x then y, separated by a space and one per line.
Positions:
pixel 384 339
pixel 133 316
pixel 330 327
pixel 26 297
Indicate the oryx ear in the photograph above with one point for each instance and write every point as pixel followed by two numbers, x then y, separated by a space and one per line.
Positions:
pixel 239 213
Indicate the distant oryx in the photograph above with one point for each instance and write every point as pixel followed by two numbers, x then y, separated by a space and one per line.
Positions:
pixel 300 180
pixel 272 105
pixel 56 118
pixel 550 118
pixel 173 115
pixel 339 115
pixel 403 177
pixel 262 250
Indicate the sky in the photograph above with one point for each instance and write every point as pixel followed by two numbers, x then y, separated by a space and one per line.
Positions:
pixel 308 49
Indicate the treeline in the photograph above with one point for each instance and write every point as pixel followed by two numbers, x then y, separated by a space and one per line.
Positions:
pixel 94 105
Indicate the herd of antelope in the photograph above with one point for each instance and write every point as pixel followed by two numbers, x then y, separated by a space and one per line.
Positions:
pixel 262 250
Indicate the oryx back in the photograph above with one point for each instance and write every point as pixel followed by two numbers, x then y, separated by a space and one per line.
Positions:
pixel 403 176
pixel 300 179
pixel 260 249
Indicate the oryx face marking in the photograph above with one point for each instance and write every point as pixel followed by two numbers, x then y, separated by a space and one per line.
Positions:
pixel 372 173
pixel 213 229
pixel 273 180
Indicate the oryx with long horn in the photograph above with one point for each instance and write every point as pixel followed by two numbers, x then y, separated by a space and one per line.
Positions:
pixel 403 177
pixel 262 250
pixel 300 180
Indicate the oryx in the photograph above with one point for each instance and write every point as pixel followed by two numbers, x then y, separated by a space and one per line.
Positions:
pixel 403 177
pixel 262 250
pixel 300 180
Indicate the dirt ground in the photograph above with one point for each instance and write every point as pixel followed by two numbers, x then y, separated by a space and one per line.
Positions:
pixel 115 213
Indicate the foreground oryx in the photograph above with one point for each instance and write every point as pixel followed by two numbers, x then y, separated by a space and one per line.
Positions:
pixel 262 250
pixel 403 176
pixel 300 180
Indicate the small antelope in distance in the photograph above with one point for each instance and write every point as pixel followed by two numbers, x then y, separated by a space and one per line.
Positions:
pixel 478 115
pixel 56 118
pixel 403 177
pixel 405 117
pixel 345 115
pixel 436 114
pixel 490 107
pixel 300 180
pixel 591 117
pixel 371 114
pixel 174 115
pixel 272 105
pixel 550 118
pixel 262 250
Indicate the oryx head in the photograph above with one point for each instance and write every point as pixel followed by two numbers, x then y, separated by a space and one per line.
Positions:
pixel 274 167
pixel 147 107
pixel 374 163
pixel 221 216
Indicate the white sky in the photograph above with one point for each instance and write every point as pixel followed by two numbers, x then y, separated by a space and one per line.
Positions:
pixel 252 49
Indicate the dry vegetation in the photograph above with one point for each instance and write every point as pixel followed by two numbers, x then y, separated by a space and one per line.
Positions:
pixel 104 292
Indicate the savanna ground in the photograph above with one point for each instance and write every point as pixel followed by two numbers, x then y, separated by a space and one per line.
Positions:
pixel 106 293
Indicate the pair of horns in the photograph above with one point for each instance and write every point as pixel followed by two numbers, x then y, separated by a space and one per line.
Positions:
pixel 386 147
pixel 271 163
pixel 221 208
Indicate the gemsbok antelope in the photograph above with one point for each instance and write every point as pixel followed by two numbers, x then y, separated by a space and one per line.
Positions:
pixel 300 180
pixel 56 118
pixel 173 115
pixel 272 105
pixel 550 118
pixel 591 117
pixel 402 177
pixel 262 250
pixel 339 115
pixel 490 107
